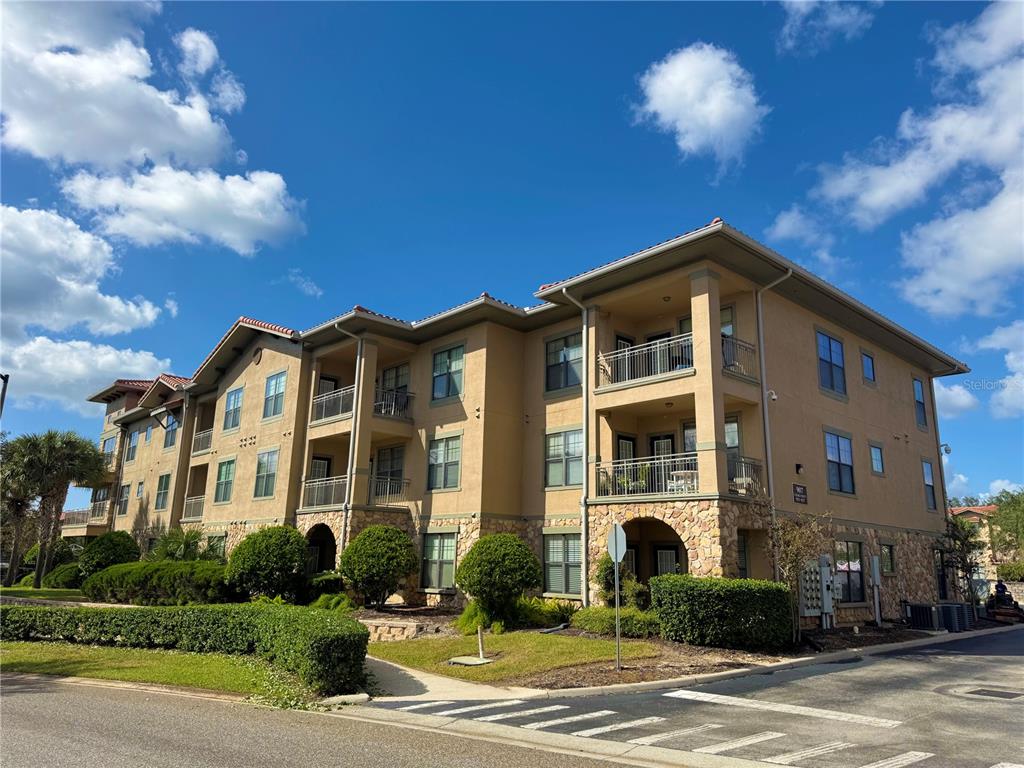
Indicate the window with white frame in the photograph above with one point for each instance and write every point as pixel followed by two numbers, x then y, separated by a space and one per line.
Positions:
pixel 839 459
pixel 887 558
pixel 273 397
pixel 225 481
pixel 448 368
pixel 138 489
pixel 929 484
pixel 877 460
pixel 133 446
pixel 563 458
pixel 122 499
pixel 171 431
pixel 163 486
pixel 443 462
pixel 564 362
pixel 233 408
pixel 266 473
pixel 395 378
pixel 867 366
pixel 562 563
pixel 920 412
pixel 438 561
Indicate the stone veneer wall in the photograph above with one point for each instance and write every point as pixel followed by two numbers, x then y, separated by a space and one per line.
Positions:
pixel 234 531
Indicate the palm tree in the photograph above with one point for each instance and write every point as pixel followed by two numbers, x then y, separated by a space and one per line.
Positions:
pixel 16 505
pixel 50 462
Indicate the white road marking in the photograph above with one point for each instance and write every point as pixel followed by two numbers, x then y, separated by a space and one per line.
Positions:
pixel 618 726
pixel 1008 765
pixel 907 758
pixel 793 757
pixel 746 741
pixel 789 709
pixel 569 719
pixel 655 738
pixel 523 713
pixel 424 705
pixel 478 707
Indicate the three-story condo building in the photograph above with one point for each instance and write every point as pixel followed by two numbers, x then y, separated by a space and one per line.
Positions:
pixel 688 391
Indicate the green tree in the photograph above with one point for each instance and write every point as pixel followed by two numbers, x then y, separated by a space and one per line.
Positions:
pixel 112 548
pixel 1007 524
pixel 179 544
pixel 17 505
pixel 270 562
pixel 796 542
pixel 376 561
pixel 495 573
pixel 963 501
pixel 965 547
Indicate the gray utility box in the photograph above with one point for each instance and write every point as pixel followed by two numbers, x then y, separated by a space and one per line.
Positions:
pixel 924 616
pixel 952 617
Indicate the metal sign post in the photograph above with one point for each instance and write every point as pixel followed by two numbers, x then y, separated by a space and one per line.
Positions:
pixel 617 550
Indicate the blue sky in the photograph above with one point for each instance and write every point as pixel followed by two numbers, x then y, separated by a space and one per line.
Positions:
pixel 169 168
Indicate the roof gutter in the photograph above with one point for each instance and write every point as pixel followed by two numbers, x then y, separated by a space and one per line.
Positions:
pixel 585 385
pixel 350 468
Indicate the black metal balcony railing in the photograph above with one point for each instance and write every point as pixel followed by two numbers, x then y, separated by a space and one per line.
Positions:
pixel 333 404
pixel 385 491
pixel 203 441
pixel 745 476
pixel 671 475
pixel 193 509
pixel 393 402
pixel 655 358
pixel 75 517
pixel 324 492
pixel 739 356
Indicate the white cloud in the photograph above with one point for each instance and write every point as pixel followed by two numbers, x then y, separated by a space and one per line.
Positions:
pixel 957 484
pixel 996 35
pixel 198 52
pixel 171 306
pixel 168 205
pixel 953 400
pixel 75 89
pixel 304 283
pixel 996 486
pixel 797 225
pixel 51 279
pixel 1007 401
pixel 226 93
pixel 811 25
pixel 44 371
pixel 706 100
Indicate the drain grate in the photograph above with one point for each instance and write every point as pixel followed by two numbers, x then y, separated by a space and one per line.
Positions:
pixel 995 694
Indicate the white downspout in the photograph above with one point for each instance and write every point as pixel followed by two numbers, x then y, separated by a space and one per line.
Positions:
pixel 584 495
pixel 350 469
pixel 770 475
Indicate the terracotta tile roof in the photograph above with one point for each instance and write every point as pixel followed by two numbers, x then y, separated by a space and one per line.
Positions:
pixel 982 509
pixel 134 383
pixel 484 295
pixel 249 322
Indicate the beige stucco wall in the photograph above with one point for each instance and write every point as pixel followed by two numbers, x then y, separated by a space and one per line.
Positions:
pixel 151 461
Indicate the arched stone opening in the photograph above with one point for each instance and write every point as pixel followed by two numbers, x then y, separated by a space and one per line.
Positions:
pixel 653 548
pixel 322 549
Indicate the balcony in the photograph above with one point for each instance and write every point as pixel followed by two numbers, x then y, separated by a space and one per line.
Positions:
pixel 193 508
pixel 76 517
pixel 745 477
pixel 646 361
pixel 324 492
pixel 393 402
pixel 202 442
pixel 670 475
pixel 108 460
pixel 388 491
pixel 98 510
pixel 333 405
pixel 739 357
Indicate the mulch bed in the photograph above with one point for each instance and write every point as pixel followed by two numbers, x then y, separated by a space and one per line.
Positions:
pixel 844 638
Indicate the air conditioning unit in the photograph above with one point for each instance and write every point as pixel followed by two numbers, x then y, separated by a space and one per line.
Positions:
pixel 923 616
pixel 952 617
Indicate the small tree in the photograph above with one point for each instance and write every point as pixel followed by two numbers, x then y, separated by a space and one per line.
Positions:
pixel 1007 525
pixel 107 550
pixel 271 562
pixel 797 541
pixel 495 573
pixel 17 506
pixel 965 547
pixel 376 561
pixel 178 544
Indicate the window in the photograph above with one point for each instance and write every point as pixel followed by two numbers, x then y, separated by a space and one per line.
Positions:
pixel 448 366
pixel 562 563
pixel 108 445
pixel 133 446
pixel 122 499
pixel 929 484
pixel 225 481
pixel 438 561
pixel 831 369
pixel 171 431
pixel 563 459
pixel 390 462
pixel 215 545
pixel 877 463
pixel 149 433
pixel 564 362
pixel 443 463
pixel 741 554
pixel 887 558
pixel 163 485
pixel 320 467
pixel 266 473
pixel 395 379
pixel 273 398
pixel 233 408
pixel 849 575
pixel 919 409
pixel 138 489
pixel 867 366
pixel 839 457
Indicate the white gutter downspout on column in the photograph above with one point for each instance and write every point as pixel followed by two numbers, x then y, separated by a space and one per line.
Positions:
pixel 584 495
pixel 770 475
pixel 350 469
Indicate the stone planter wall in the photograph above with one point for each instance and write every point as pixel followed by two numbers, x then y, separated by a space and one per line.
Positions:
pixel 383 630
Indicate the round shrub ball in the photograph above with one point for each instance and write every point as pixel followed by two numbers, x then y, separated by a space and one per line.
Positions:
pixel 60 553
pixel 65 576
pixel 109 549
pixel 376 561
pixel 496 571
pixel 271 562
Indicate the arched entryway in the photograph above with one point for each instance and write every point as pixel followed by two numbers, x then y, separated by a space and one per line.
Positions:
pixel 322 549
pixel 653 549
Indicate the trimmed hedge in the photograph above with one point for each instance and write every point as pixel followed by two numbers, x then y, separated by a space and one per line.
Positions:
pixel 325 649
pixel 271 562
pixel 600 620
pixel 726 613
pixel 109 549
pixel 67 576
pixel 161 582
pixel 1011 571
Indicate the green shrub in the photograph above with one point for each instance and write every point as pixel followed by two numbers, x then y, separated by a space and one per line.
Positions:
pixel 271 561
pixel 600 620
pixel 472 616
pixel 376 561
pixel 726 613
pixel 66 576
pixel 325 583
pixel 179 544
pixel 631 591
pixel 535 612
pixel 636 594
pixel 333 602
pixel 160 582
pixel 325 649
pixel 1011 571
pixel 107 550
pixel 27 580
pixel 495 572
pixel 62 553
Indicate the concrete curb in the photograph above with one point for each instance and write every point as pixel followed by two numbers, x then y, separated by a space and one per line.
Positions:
pixel 172 690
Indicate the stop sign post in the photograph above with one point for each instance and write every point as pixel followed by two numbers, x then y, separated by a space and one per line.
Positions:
pixel 617 550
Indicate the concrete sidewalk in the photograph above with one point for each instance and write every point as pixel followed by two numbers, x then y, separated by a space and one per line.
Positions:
pixel 399 683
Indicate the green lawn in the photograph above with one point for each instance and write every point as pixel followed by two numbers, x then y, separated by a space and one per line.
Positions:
pixel 214 671
pixel 44 594
pixel 517 654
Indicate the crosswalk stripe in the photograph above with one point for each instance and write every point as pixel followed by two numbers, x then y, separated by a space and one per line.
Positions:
pixel 746 741
pixel 424 705
pixel 907 758
pixel 793 757
pixel 478 707
pixel 568 719
pixel 656 737
pixel 1007 765
pixel 789 709
pixel 523 713
pixel 618 726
